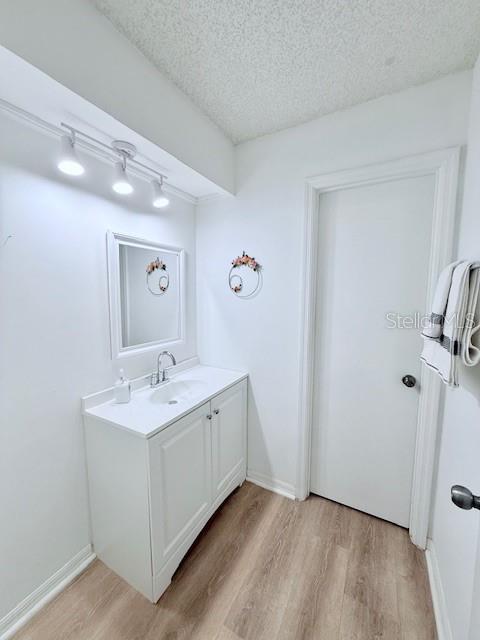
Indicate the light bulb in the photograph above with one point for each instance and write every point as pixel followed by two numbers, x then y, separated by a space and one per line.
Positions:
pixel 121 183
pixel 68 162
pixel 160 199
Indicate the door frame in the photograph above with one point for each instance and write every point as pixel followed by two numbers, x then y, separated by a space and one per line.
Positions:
pixel 444 165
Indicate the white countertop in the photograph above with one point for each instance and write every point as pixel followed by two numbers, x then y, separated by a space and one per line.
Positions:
pixel 147 413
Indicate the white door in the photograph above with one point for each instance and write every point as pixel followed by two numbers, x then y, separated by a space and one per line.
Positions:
pixel 229 428
pixel 374 244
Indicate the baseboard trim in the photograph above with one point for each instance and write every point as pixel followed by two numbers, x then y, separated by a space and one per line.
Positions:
pixel 26 609
pixel 272 484
pixel 444 630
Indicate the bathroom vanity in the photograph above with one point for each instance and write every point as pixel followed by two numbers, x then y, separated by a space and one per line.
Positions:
pixel 159 467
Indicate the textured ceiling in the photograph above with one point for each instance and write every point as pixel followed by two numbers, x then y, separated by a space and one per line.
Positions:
pixel 257 66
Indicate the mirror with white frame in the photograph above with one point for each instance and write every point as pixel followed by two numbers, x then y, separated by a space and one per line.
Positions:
pixel 146 283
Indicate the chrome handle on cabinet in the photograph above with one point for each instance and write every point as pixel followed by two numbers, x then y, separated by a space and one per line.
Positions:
pixel 209 416
pixel 216 411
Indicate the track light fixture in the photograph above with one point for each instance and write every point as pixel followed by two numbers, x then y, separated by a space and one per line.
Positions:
pixel 121 183
pixel 68 162
pixel 121 152
pixel 160 199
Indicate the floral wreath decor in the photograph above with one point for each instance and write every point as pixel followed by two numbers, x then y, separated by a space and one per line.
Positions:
pixel 156 264
pixel 163 281
pixel 236 281
pixel 246 260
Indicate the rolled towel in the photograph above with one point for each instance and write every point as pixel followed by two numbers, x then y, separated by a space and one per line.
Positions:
pixel 441 353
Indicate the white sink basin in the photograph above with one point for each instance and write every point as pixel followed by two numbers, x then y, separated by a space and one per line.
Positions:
pixel 177 391
pixel 151 410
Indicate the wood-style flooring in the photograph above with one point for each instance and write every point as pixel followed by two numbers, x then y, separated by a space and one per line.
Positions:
pixel 264 568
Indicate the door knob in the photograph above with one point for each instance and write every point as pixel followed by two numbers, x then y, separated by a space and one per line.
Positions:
pixel 409 380
pixel 464 498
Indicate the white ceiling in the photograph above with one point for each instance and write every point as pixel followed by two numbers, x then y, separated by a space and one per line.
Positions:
pixel 258 66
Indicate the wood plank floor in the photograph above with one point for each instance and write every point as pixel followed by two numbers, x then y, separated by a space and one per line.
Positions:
pixel 264 568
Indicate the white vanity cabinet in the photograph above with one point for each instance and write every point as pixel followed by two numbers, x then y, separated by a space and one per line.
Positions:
pixel 228 438
pixel 180 461
pixel 150 496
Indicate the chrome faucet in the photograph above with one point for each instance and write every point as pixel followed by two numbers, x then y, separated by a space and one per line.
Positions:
pixel 161 375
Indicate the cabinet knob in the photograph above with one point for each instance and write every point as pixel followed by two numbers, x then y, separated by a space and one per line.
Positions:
pixel 216 411
pixel 209 416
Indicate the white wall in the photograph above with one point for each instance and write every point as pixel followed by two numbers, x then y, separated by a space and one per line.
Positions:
pixel 54 333
pixel 455 532
pixel 262 334
pixel 76 45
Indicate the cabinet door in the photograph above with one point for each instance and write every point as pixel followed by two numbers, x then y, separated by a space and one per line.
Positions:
pixel 229 428
pixel 180 477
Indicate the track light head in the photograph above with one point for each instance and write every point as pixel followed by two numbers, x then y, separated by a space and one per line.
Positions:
pixel 121 183
pixel 160 199
pixel 68 162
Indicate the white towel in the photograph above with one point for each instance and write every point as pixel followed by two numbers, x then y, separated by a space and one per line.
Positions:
pixel 434 325
pixel 470 352
pixel 441 353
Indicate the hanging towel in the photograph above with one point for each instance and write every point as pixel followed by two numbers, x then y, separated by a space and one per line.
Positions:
pixel 471 352
pixel 434 325
pixel 442 352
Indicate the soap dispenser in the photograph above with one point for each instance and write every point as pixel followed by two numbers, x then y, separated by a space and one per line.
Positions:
pixel 122 390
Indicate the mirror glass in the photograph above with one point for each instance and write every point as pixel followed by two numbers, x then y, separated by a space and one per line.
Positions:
pixel 147 300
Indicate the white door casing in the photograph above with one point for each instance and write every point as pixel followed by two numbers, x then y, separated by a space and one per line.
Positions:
pixel 475 617
pixel 443 165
